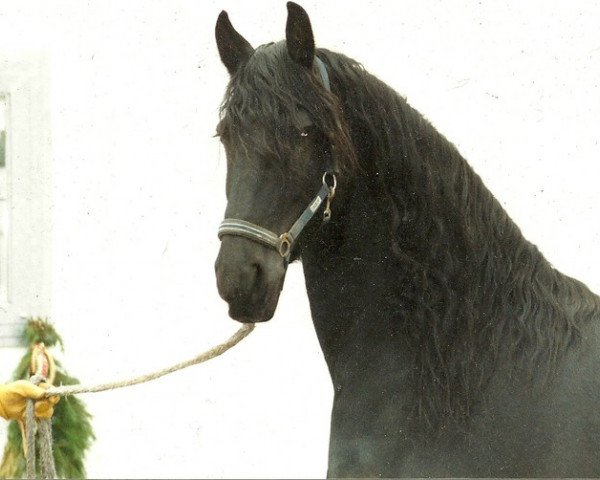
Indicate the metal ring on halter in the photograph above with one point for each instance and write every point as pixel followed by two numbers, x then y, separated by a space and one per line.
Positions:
pixel 333 179
pixel 285 245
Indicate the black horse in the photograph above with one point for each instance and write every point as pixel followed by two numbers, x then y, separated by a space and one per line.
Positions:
pixel 454 347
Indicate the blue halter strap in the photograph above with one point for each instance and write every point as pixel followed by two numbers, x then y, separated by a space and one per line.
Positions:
pixel 323 73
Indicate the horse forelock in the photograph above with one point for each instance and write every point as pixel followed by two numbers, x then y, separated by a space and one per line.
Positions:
pixel 271 90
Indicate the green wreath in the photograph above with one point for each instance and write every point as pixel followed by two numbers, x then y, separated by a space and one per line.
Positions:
pixel 71 424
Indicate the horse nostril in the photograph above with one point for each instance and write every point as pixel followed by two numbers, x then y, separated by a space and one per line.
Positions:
pixel 257 273
pixel 238 282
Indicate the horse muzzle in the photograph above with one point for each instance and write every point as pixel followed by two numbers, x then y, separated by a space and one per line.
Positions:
pixel 249 278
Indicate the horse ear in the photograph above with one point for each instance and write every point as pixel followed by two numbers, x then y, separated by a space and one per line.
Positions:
pixel 233 48
pixel 299 36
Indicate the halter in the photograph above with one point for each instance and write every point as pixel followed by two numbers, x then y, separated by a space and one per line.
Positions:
pixel 283 243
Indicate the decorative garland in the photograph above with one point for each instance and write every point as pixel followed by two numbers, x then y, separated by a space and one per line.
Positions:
pixel 71 423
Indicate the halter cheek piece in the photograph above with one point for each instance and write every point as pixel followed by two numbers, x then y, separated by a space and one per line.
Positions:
pixel 283 243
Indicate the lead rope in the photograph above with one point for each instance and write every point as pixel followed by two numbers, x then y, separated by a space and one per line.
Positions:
pixel 43 427
pixel 42 369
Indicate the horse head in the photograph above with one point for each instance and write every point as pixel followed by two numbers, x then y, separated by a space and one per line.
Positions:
pixel 279 125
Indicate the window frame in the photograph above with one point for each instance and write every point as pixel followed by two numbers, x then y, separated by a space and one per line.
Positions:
pixel 25 194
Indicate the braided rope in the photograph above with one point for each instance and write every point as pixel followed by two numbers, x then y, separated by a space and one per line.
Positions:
pixel 238 336
pixel 30 431
pixel 46 456
pixel 43 427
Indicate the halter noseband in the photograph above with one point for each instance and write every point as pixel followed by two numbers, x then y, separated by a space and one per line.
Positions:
pixel 283 243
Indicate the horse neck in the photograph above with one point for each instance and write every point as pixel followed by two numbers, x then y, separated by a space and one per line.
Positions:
pixel 348 276
pixel 415 209
pixel 420 257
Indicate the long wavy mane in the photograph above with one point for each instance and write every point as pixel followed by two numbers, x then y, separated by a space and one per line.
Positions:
pixel 470 289
pixel 475 297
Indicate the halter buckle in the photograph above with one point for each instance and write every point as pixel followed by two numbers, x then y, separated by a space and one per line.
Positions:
pixel 330 194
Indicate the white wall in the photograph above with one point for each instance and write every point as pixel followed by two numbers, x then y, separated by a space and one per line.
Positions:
pixel 138 195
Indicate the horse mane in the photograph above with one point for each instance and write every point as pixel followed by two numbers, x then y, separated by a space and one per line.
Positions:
pixel 471 290
pixel 473 294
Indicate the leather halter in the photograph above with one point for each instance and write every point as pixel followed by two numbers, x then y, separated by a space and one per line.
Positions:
pixel 283 243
